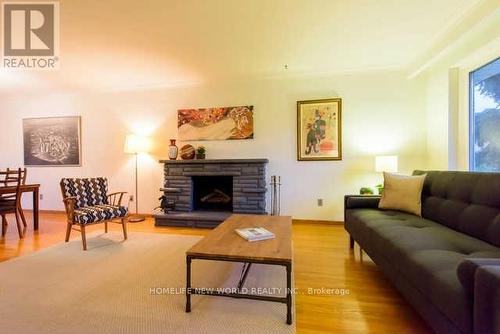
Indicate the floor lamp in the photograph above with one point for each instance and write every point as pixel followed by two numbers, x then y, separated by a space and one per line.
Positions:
pixel 135 144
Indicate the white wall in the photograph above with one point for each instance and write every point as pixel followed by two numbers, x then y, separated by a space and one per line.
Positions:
pixel 383 113
pixel 446 84
pixel 437 120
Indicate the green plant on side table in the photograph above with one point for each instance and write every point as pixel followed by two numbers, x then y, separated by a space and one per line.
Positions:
pixel 366 191
pixel 371 191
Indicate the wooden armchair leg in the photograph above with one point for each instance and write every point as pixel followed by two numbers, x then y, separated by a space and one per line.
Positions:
pixel 124 225
pixel 19 228
pixel 68 231
pixel 84 238
pixel 105 227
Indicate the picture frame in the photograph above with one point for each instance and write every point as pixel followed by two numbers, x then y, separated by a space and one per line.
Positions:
pixel 220 123
pixel 52 141
pixel 319 130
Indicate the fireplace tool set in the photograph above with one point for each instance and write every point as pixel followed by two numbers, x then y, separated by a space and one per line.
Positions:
pixel 275 195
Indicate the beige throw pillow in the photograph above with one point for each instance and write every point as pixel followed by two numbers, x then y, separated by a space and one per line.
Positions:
pixel 403 193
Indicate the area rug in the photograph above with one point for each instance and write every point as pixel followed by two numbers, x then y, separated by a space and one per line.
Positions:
pixel 134 286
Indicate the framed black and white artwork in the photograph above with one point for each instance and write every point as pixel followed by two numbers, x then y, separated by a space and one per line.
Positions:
pixel 52 141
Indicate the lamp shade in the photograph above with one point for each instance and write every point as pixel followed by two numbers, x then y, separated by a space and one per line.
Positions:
pixel 136 144
pixel 386 163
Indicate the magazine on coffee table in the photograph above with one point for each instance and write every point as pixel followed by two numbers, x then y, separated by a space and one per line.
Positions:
pixel 255 234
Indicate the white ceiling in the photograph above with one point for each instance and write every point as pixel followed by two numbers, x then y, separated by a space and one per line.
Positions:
pixel 120 44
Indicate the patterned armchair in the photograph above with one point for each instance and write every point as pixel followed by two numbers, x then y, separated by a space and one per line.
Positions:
pixel 87 202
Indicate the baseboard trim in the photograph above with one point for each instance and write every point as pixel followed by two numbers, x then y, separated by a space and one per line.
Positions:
pixel 149 215
pixel 47 211
pixel 146 215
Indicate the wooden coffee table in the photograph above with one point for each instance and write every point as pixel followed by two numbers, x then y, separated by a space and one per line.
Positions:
pixel 224 244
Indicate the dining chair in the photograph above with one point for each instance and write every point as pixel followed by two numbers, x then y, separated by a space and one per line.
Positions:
pixel 10 175
pixel 10 204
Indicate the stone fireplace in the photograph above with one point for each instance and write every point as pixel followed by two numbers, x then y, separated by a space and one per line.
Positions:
pixel 205 192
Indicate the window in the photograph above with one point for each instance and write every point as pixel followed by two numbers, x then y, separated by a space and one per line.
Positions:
pixel 484 97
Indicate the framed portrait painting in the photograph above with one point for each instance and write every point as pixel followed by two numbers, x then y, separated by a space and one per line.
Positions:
pixel 52 141
pixel 319 130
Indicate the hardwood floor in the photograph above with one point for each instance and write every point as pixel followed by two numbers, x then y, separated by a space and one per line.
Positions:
pixel 360 299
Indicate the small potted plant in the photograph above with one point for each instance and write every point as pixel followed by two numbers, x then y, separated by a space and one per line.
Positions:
pixel 200 152
pixel 366 191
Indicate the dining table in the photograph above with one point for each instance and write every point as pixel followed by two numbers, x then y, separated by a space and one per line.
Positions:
pixel 27 188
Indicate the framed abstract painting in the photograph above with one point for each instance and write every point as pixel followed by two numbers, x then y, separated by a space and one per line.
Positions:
pixel 319 130
pixel 52 141
pixel 226 123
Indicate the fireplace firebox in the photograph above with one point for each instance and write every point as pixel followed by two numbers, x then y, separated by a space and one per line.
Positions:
pixel 214 193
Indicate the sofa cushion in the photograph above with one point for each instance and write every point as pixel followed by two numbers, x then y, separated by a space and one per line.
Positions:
pixel 464 201
pixel 88 192
pixel 468 268
pixel 96 213
pixel 359 221
pixel 426 253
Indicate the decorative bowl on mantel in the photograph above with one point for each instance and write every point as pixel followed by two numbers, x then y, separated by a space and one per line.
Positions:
pixel 187 152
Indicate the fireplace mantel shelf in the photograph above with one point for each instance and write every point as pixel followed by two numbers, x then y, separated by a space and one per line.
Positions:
pixel 215 161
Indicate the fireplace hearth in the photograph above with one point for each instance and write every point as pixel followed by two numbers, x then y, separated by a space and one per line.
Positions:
pixel 205 192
